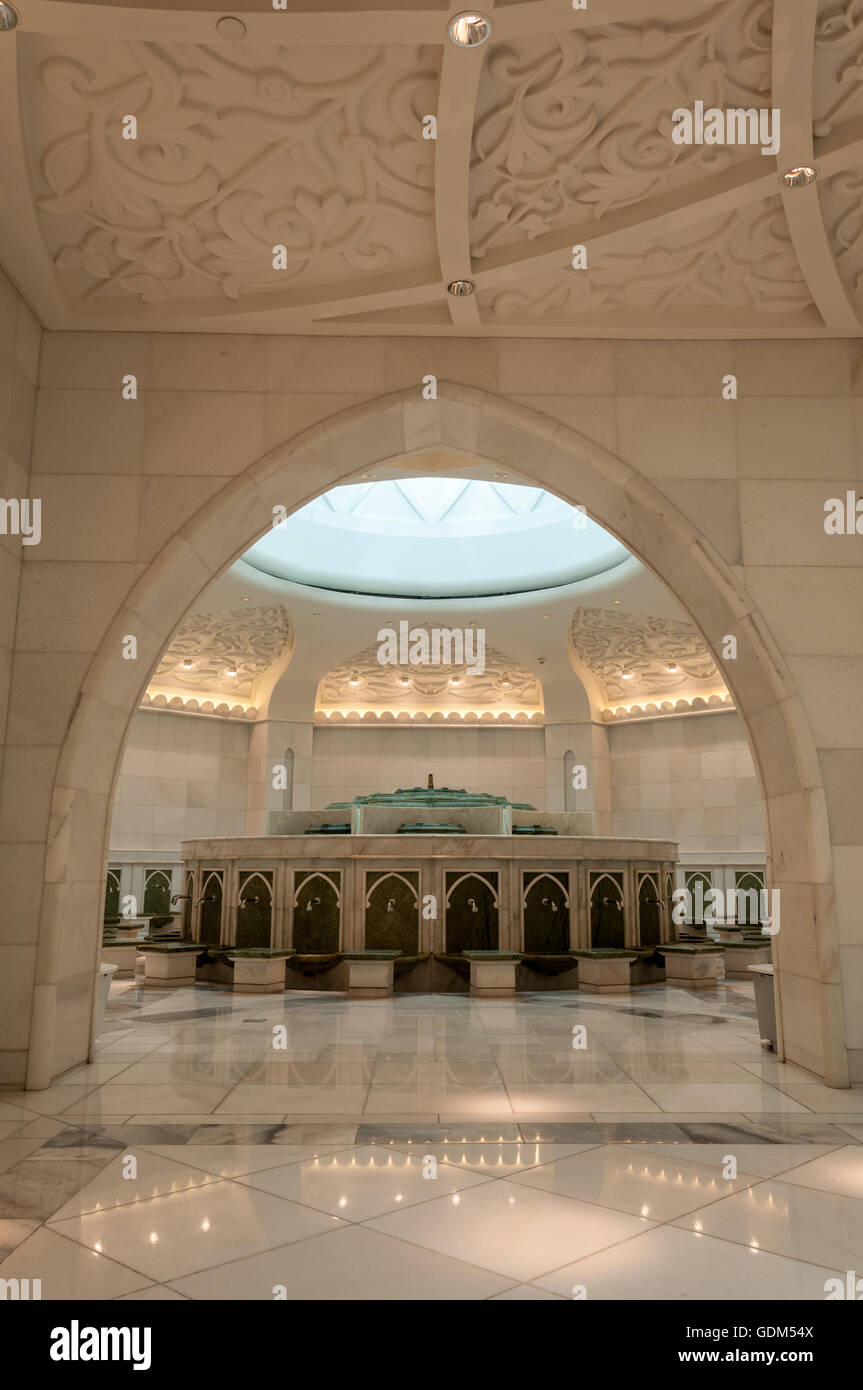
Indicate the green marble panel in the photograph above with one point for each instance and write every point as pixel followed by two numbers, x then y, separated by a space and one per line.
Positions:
pixel 607 926
pixel 317 913
pixel 112 894
pixel 648 911
pixel 471 914
pixel 392 912
pixel 255 917
pixel 157 892
pixel 211 908
pixel 546 914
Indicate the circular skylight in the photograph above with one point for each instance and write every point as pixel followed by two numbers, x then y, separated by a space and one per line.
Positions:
pixel 436 538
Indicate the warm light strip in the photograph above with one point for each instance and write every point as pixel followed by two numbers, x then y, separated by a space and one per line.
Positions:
pixel 692 704
pixel 445 714
pixel 186 704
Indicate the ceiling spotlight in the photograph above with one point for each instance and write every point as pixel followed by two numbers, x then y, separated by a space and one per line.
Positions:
pixel 626 675
pixel 187 664
pixel 672 666
pixel 460 287
pixel 456 680
pixel 403 680
pixel 232 670
pixel 468 30
pixel 354 680
pixel 800 176
pixel 230 28
pixel 8 18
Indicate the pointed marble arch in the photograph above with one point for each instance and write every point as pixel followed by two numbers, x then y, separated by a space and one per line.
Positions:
pixel 385 878
pixel 550 879
pixel 478 425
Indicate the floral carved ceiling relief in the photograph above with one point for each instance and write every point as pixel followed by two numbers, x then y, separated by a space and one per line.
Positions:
pixel 209 646
pixel 502 689
pixel 630 655
pixel 310 130
pixel 236 152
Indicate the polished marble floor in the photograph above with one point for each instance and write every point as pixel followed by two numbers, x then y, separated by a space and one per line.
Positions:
pixel 431 1147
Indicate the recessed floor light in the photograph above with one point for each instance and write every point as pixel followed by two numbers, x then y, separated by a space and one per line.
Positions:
pixel 800 176
pixel 470 29
pixel 460 287
pixel 8 17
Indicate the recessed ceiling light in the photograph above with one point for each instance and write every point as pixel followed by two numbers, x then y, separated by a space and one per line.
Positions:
pixel 615 600
pixel 8 17
pixel 626 675
pixel 800 176
pixel 232 670
pixel 460 287
pixel 403 680
pixel 470 29
pixel 230 28
pixel 672 666
pixel 455 680
pixel 354 680
pixel 187 664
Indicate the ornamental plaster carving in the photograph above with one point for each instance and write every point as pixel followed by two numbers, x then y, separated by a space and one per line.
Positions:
pixel 309 130
pixel 249 640
pixel 237 151
pixel 363 684
pixel 579 123
pixel 610 642
pixel 743 258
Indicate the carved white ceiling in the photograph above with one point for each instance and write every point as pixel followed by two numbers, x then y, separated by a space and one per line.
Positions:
pixel 251 642
pixel 501 690
pixel 304 128
pixel 640 660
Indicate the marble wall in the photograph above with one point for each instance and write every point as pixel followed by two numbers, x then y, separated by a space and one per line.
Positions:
pixel 145 501
pixel 20 337
pixel 354 762
pixel 181 776
pixel 691 780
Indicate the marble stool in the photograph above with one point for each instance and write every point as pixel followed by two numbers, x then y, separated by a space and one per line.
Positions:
pixel 492 973
pixel 604 970
pixel 370 973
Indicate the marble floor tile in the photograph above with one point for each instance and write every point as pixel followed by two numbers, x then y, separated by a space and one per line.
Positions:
pixel 840 1171
pixel 14 1233
pixel 238 1160
pixel 720 1096
pixel 496 1160
pixel 657 1186
pixel 167 1237
pixel 33 1190
pixel 179 1098
pixel 824 1099
pixel 585 1099
pixel 154 1293
pixel 758 1160
pixel 668 1264
pixel 364 1182
pixel 524 1293
pixel 803 1224
pixel 155 1176
pixel 509 1228
pixel 303 1100
pixel 352 1264
pixel 67 1270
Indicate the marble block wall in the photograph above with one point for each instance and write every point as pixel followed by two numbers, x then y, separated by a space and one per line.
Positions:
pixel 20 337
pixel 145 502
pixel 690 779
pixel 350 762
pixel 181 776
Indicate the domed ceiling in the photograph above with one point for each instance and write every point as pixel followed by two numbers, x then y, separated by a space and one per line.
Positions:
pixel 436 537
pixel 386 163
